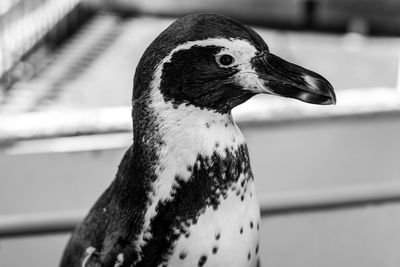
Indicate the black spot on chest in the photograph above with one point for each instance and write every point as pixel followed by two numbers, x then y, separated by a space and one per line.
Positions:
pixel 210 181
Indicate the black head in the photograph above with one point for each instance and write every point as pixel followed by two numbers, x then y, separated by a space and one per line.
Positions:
pixel 214 62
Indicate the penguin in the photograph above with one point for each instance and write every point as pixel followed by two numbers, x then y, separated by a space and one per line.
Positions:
pixel 184 193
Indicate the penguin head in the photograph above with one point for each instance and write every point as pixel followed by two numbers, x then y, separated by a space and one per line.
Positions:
pixel 216 63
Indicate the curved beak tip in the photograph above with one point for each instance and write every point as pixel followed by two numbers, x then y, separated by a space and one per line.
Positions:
pixel 321 89
pixel 329 95
pixel 333 97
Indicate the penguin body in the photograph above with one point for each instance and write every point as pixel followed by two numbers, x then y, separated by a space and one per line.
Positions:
pixel 207 190
pixel 184 193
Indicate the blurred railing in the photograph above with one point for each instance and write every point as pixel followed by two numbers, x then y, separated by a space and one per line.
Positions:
pixel 271 111
pixel 361 16
pixel 24 23
pixel 271 204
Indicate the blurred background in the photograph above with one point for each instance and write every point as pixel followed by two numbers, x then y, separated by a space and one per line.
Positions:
pixel 327 177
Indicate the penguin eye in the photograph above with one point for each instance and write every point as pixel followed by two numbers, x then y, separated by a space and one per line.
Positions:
pixel 225 60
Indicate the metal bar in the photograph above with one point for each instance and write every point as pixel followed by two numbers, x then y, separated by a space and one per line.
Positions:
pixel 39 223
pixel 332 198
pixel 271 205
pixel 26 30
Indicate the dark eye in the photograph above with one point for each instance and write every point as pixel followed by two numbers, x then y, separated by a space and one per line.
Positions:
pixel 226 60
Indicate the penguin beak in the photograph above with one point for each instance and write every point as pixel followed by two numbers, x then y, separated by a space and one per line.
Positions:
pixel 280 77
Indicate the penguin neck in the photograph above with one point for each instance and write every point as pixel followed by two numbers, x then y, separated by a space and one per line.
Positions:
pixel 182 128
pixel 169 140
pixel 182 136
